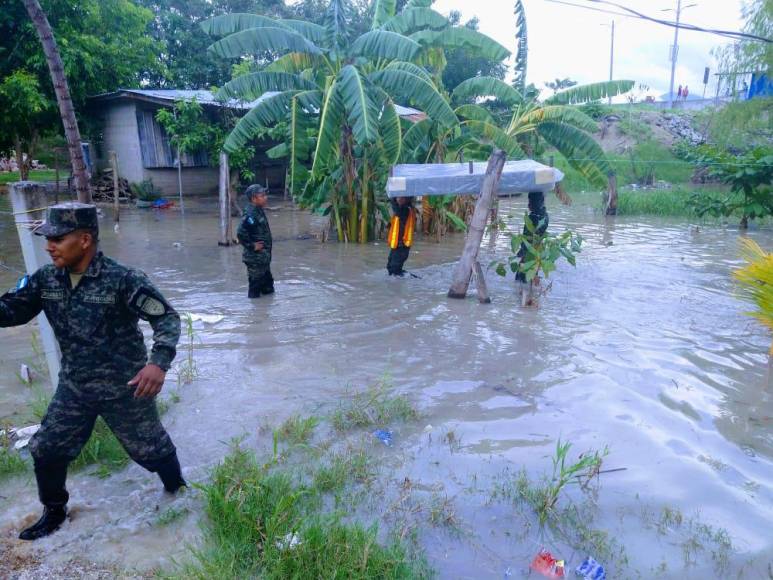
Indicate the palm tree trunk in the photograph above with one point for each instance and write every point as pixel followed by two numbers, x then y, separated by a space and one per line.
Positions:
pixel 66 109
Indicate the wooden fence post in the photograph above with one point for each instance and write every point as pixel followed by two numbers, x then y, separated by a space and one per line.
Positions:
pixel 463 272
pixel 225 198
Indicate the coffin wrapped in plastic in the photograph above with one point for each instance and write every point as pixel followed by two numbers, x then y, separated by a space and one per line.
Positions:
pixel 411 180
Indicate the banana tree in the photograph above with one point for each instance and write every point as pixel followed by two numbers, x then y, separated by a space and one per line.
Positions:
pixel 337 95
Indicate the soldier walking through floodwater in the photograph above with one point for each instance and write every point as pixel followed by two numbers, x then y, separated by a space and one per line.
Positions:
pixel 93 305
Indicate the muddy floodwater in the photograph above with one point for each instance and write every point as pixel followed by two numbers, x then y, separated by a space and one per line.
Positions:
pixel 644 348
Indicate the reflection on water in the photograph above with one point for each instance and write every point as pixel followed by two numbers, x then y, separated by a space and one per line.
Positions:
pixel 643 347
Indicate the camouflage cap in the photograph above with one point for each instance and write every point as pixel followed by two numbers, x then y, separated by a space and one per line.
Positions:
pixel 67 217
pixel 254 190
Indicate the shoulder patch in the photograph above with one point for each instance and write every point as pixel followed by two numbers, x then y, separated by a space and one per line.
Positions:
pixel 22 283
pixel 145 302
pixel 251 221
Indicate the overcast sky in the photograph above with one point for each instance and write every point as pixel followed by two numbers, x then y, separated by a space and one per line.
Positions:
pixel 572 42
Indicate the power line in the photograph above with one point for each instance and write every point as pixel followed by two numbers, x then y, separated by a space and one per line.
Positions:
pixel 630 13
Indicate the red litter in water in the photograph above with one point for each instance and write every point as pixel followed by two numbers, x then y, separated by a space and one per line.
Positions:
pixel 547 565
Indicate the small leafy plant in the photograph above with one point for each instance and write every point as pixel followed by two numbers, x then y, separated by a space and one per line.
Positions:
pixel 536 252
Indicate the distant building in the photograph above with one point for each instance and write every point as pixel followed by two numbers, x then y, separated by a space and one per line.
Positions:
pixel 127 119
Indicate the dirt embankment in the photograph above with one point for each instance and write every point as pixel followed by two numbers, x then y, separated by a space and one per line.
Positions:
pixel 618 132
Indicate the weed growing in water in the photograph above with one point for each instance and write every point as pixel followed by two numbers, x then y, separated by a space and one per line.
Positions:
pixel 350 465
pixel 376 406
pixel 297 430
pixel 442 512
pixel 252 511
pixel 187 372
pixel 171 515
pixel 697 538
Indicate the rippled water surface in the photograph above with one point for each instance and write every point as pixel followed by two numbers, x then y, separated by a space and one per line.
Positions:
pixel 643 348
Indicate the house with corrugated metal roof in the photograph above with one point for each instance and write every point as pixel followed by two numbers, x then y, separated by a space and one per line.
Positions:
pixel 128 126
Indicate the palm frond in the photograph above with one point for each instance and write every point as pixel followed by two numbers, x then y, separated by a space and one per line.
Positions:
pixel 592 92
pixel 522 48
pixel 416 136
pixel 411 68
pixel 495 135
pixel 383 10
pixel 331 117
pixel 580 150
pixel 414 19
pixel 418 4
pixel 252 86
pixel 391 133
pixel 300 144
pixel 256 41
pixel 266 113
pixel 294 62
pixel 756 280
pixel 475 113
pixel 471 40
pixel 314 32
pixel 378 44
pixel 404 86
pixel 236 22
pixel 358 102
pixel 487 87
pixel 560 114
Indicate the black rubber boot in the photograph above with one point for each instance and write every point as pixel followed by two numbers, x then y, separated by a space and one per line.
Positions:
pixel 51 520
pixel 170 473
pixel 51 478
pixel 254 288
pixel 267 283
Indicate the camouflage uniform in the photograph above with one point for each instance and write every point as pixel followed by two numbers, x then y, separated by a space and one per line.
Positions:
pixel 254 228
pixel 96 325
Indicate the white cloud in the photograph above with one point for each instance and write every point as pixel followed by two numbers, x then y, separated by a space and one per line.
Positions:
pixel 572 42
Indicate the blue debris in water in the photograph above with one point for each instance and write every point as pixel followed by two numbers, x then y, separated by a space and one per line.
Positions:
pixel 591 570
pixel 384 436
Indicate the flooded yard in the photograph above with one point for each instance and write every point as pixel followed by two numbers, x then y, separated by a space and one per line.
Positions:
pixel 643 349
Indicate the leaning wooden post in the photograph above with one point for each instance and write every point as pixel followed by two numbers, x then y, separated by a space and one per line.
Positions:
pixel 463 272
pixel 612 194
pixel 225 207
pixel 116 188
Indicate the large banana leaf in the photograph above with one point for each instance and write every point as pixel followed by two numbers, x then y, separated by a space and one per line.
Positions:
pixel 475 113
pixel 331 116
pixel 300 144
pixel 463 37
pixel 522 48
pixel 236 22
pixel 259 40
pixel 336 25
pixel 487 87
pixel 378 44
pixel 580 149
pixel 314 32
pixel 497 136
pixel 391 133
pixel 416 136
pixel 252 86
pixel 266 113
pixel 560 114
pixel 294 62
pixel 414 19
pixel 411 68
pixel 383 10
pixel 402 85
pixel 361 110
pixel 591 92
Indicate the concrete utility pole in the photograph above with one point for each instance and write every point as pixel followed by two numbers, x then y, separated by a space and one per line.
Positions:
pixel 675 49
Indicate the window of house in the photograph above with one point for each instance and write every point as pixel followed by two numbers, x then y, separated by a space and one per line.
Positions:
pixel 156 150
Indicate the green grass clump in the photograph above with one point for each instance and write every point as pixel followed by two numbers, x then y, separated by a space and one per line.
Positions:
pixel 660 202
pixel 35 175
pixel 102 450
pixel 265 524
pixel 350 465
pixel 297 430
pixel 375 406
pixel 10 461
